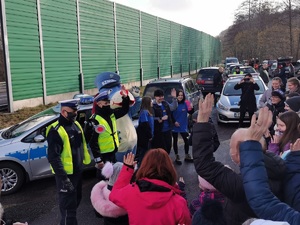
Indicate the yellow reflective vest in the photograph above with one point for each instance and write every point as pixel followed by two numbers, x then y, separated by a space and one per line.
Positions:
pixel 108 137
pixel 66 155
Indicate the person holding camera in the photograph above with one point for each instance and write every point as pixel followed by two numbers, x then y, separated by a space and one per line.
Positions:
pixel 248 100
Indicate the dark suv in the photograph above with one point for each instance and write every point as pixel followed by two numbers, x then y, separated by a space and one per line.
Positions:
pixel 205 80
pixel 166 84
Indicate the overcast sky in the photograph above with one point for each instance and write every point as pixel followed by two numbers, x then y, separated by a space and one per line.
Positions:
pixel 210 16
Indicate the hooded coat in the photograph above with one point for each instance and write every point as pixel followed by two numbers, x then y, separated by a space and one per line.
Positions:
pixel 100 201
pixel 260 198
pixel 225 180
pixel 149 201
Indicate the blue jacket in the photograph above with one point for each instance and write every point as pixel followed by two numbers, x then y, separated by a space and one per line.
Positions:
pixel 258 193
pixel 292 180
pixel 180 116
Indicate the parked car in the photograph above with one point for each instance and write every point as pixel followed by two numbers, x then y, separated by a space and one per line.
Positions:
pixel 232 60
pixel 289 68
pixel 228 110
pixel 23 147
pixel 188 85
pixel 205 80
pixel 245 70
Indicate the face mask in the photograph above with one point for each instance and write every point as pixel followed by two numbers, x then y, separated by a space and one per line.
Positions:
pixel 71 116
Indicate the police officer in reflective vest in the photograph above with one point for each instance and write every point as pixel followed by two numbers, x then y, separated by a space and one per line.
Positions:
pixel 104 140
pixel 67 154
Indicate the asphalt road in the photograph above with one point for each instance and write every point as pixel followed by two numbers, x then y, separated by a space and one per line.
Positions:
pixel 36 202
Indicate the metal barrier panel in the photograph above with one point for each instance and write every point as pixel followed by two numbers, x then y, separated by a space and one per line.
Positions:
pixel 128 38
pixel 149 45
pixel 97 39
pixel 24 51
pixel 164 47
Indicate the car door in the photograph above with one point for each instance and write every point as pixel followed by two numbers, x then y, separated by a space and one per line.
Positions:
pixel 37 156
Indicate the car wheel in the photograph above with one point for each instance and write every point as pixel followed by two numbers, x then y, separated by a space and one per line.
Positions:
pixel 12 177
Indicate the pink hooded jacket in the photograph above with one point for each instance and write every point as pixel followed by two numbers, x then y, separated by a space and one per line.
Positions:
pixel 102 204
pixel 149 201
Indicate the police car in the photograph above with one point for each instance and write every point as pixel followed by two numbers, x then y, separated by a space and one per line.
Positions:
pixel 23 147
pixel 228 110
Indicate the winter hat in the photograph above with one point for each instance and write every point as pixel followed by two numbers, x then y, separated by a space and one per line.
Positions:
pixel 279 94
pixel 268 222
pixel 112 172
pixel 211 213
pixel 294 103
pixel 204 185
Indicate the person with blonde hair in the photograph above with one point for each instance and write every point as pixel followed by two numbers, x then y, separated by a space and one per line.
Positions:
pixel 154 198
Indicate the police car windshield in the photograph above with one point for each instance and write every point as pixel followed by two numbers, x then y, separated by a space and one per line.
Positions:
pixel 230 91
pixel 19 129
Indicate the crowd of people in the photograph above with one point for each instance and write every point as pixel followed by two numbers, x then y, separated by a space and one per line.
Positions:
pixel 144 188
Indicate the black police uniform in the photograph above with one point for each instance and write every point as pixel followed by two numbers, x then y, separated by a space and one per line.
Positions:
pixel 69 187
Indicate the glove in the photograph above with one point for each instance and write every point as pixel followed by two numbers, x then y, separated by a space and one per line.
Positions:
pixel 67 186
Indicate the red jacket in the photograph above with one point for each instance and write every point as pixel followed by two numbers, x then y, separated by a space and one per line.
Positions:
pixel 149 201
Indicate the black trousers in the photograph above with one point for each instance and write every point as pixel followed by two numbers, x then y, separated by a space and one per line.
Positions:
pixel 69 201
pixel 163 140
pixel 243 110
pixel 184 136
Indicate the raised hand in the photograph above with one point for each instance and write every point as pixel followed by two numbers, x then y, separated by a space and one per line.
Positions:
pixel 173 92
pixel 295 146
pixel 260 126
pixel 129 159
pixel 123 91
pixel 205 108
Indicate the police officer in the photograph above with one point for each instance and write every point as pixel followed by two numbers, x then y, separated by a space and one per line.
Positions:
pixel 104 140
pixel 67 153
pixel 237 70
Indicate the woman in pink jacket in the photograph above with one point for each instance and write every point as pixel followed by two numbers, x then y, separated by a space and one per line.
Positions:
pixel 154 198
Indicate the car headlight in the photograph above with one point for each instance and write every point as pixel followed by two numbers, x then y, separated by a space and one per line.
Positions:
pixel 221 106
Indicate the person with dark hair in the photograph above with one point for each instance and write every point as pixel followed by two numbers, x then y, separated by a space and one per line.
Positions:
pixel 254 173
pixel 154 198
pixel 163 120
pixel 248 100
pixel 181 126
pixel 145 129
pixel 237 70
pixel 287 124
pixel 283 74
pixel 224 179
pixel 276 107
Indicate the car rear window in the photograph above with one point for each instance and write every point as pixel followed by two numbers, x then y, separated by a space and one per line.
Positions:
pixel 207 73
pixel 166 87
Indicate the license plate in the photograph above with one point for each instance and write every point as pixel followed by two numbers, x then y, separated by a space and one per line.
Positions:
pixel 237 115
pixel 209 81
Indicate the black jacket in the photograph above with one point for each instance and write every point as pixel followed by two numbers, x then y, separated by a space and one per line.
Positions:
pixel 227 181
pixel 248 96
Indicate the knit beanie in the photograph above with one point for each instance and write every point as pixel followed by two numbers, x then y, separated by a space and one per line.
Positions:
pixel 268 222
pixel 279 94
pixel 294 103
pixel 112 172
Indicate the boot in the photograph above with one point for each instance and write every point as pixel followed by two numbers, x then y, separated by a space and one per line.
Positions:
pixel 188 158
pixel 177 160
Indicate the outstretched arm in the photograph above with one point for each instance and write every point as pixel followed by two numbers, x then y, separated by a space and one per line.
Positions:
pixel 255 180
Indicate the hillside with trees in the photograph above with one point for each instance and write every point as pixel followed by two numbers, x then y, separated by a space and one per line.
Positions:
pixel 264 29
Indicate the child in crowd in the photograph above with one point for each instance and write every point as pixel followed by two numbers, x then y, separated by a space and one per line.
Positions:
pixel 112 214
pixel 207 192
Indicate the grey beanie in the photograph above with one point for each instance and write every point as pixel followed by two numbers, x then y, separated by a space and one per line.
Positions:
pixel 294 103
pixel 117 168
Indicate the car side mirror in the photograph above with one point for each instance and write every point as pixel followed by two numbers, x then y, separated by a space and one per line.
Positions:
pixel 217 94
pixel 39 138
